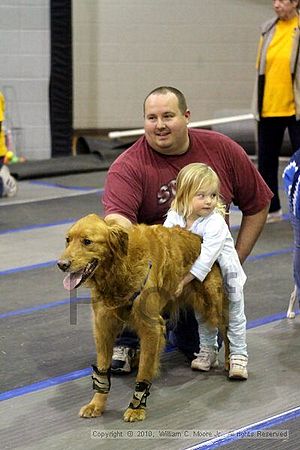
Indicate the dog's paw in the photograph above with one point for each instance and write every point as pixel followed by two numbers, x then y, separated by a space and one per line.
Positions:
pixel 134 415
pixel 91 410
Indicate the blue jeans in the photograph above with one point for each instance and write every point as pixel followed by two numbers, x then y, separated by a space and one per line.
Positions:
pixel 296 258
pixel 185 335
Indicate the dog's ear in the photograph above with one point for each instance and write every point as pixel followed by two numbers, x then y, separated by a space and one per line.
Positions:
pixel 118 240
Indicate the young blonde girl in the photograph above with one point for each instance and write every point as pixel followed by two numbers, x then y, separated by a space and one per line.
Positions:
pixel 197 207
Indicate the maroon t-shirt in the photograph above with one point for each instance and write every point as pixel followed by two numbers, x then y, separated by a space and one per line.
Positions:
pixel 140 183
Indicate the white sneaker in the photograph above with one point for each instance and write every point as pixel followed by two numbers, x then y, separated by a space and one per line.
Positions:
pixel 206 359
pixel 123 360
pixel 238 367
pixel 10 186
pixel 275 216
pixel 290 312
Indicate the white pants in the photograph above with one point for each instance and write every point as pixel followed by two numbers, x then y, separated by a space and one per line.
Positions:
pixel 236 327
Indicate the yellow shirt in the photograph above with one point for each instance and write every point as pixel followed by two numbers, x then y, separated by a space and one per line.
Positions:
pixel 3 148
pixel 278 92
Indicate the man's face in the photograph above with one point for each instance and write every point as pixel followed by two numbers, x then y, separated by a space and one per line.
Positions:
pixel 285 9
pixel 165 125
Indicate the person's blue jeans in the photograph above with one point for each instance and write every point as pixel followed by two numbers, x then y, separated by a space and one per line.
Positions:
pixel 184 335
pixel 296 257
pixel 127 338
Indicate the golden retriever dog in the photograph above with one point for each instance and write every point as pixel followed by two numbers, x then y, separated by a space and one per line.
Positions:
pixel 133 275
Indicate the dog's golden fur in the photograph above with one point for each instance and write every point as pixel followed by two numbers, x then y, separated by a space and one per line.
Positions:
pixel 146 262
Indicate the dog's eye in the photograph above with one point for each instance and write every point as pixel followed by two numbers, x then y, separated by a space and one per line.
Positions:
pixel 67 240
pixel 87 241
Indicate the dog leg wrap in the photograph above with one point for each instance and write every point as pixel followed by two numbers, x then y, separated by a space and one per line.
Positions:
pixel 140 395
pixel 101 380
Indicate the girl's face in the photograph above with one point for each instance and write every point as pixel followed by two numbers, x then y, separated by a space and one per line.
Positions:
pixel 203 203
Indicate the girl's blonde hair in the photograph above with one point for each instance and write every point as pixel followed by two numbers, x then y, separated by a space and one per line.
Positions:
pixel 192 179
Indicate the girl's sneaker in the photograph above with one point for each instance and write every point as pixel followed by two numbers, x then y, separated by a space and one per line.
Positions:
pixel 207 358
pixel 238 367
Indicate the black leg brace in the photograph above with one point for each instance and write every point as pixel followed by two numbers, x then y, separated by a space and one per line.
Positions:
pixel 140 395
pixel 101 380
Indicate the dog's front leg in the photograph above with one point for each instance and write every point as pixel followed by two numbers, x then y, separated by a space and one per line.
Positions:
pixel 152 341
pixel 106 328
pixel 101 383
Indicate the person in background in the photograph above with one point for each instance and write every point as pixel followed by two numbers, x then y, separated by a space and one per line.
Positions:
pixel 198 207
pixel 140 186
pixel 277 93
pixel 8 185
pixel 291 179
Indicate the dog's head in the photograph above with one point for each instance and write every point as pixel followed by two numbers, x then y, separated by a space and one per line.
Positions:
pixel 91 246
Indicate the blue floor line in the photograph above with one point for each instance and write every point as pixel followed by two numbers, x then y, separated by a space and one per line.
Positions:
pixel 46 225
pixel 24 311
pixel 267 319
pixel 20 312
pixel 44 265
pixel 17 392
pixel 79 188
pixel 63 186
pixel 42 225
pixel 53 262
pixel 248 431
pixel 77 299
pixel 38 386
pixel 282 251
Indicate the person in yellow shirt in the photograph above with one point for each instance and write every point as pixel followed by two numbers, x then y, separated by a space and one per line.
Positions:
pixel 277 93
pixel 3 148
pixel 8 185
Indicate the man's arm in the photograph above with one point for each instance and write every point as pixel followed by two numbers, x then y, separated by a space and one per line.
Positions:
pixel 250 229
pixel 119 219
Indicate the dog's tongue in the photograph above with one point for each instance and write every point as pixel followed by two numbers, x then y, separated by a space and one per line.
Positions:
pixel 72 280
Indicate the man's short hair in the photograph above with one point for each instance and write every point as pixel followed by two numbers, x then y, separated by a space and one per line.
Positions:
pixel 164 90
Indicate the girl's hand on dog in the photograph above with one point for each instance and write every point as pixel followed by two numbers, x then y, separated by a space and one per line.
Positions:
pixel 187 279
pixel 179 289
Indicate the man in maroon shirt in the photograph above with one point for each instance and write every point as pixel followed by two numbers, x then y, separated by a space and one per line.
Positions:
pixel 140 185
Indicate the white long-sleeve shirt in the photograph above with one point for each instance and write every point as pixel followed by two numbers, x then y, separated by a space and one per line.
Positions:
pixel 217 245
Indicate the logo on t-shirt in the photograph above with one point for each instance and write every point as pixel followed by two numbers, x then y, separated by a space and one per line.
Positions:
pixel 166 192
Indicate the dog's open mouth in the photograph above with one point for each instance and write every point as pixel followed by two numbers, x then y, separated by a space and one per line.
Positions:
pixel 74 279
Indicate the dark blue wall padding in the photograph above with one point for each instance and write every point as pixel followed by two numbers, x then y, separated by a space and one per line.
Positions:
pixel 60 88
pixel 64 165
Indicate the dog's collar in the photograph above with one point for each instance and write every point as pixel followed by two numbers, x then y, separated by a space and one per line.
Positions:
pixel 137 293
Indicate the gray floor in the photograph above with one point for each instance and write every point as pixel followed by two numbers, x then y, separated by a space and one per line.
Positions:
pixel 47 346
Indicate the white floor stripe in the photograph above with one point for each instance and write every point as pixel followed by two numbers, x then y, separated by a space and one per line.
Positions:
pixel 240 431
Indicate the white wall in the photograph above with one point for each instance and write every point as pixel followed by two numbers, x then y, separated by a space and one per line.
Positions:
pixel 24 72
pixel 122 50
pixel 125 48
